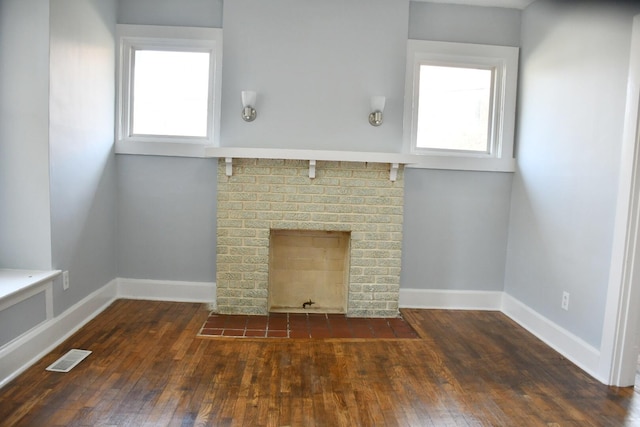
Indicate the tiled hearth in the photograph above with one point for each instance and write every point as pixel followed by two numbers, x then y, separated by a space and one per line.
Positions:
pixel 301 325
pixel 263 195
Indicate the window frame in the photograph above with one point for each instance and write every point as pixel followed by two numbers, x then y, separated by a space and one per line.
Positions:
pixel 182 39
pixel 503 60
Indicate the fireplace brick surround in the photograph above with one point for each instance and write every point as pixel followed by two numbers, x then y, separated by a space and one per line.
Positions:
pixel 265 194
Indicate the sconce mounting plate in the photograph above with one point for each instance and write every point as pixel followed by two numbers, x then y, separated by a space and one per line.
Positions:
pixel 248 114
pixel 375 118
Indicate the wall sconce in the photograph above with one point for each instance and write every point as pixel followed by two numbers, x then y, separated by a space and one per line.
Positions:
pixel 248 102
pixel 377 107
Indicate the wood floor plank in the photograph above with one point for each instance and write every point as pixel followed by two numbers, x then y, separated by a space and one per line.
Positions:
pixel 148 368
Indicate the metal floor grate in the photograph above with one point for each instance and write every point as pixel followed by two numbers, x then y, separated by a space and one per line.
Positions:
pixel 68 361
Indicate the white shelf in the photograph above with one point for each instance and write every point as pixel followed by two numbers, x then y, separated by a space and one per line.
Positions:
pixel 312 156
pixel 322 155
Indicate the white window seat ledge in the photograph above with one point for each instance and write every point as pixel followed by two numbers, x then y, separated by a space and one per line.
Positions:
pixel 18 285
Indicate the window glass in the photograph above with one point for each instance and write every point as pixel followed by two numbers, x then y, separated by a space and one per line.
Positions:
pixel 170 93
pixel 454 108
pixel 169 86
pixel 459 105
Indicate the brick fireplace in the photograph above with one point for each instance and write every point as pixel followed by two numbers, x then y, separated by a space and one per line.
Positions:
pixel 263 195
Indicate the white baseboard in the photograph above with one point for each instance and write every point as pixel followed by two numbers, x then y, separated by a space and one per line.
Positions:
pixel 23 352
pixel 167 290
pixel 26 350
pixel 450 300
pixel 585 356
pixel 564 342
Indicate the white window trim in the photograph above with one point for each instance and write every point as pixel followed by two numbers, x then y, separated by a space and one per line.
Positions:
pixel 505 61
pixel 160 37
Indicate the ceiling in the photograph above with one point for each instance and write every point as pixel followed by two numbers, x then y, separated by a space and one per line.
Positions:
pixel 515 4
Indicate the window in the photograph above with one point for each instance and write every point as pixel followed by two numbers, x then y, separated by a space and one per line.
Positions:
pixel 460 105
pixel 169 89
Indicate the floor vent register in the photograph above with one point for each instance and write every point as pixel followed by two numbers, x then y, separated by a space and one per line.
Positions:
pixel 69 361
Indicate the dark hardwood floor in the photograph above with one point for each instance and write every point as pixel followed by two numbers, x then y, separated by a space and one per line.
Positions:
pixel 148 368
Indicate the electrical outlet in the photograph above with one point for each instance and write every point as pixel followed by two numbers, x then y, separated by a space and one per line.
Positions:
pixel 565 301
pixel 65 280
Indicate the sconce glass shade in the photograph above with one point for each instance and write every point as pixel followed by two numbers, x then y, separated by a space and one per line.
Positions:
pixel 248 103
pixel 377 107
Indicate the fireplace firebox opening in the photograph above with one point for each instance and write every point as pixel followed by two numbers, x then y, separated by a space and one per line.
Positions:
pixel 308 271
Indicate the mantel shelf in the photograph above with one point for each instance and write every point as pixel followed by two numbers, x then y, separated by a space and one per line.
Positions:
pixel 394 159
pixel 321 155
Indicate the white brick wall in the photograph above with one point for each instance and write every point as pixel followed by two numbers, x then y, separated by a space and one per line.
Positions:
pixel 278 194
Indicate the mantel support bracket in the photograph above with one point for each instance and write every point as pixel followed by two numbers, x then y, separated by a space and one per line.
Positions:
pixel 393 172
pixel 312 169
pixel 229 162
pixel 393 169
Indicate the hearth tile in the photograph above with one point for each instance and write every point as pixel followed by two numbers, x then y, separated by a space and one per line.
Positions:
pixel 383 332
pixel 362 332
pixel 358 322
pixel 401 328
pixel 211 331
pixel 318 324
pixel 215 322
pixel 341 332
pixel 257 322
pixel 378 322
pixel 338 320
pixel 298 317
pixel 236 322
pixel 278 323
pixel 275 315
pixel 298 333
pixel 306 325
pixel 298 324
pixel 277 334
pixel 405 332
pixel 395 321
pixel 320 333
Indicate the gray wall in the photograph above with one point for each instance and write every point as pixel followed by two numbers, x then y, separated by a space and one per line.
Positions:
pixel 166 206
pixel 572 98
pixel 82 167
pixel 19 318
pixel 159 240
pixel 187 13
pixel 25 225
pixel 464 24
pixel 57 175
pixel 455 230
pixel 456 222
pixel 315 66
pixel 167 218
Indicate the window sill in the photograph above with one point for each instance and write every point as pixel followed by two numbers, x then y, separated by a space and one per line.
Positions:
pixel 464 163
pixel 161 149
